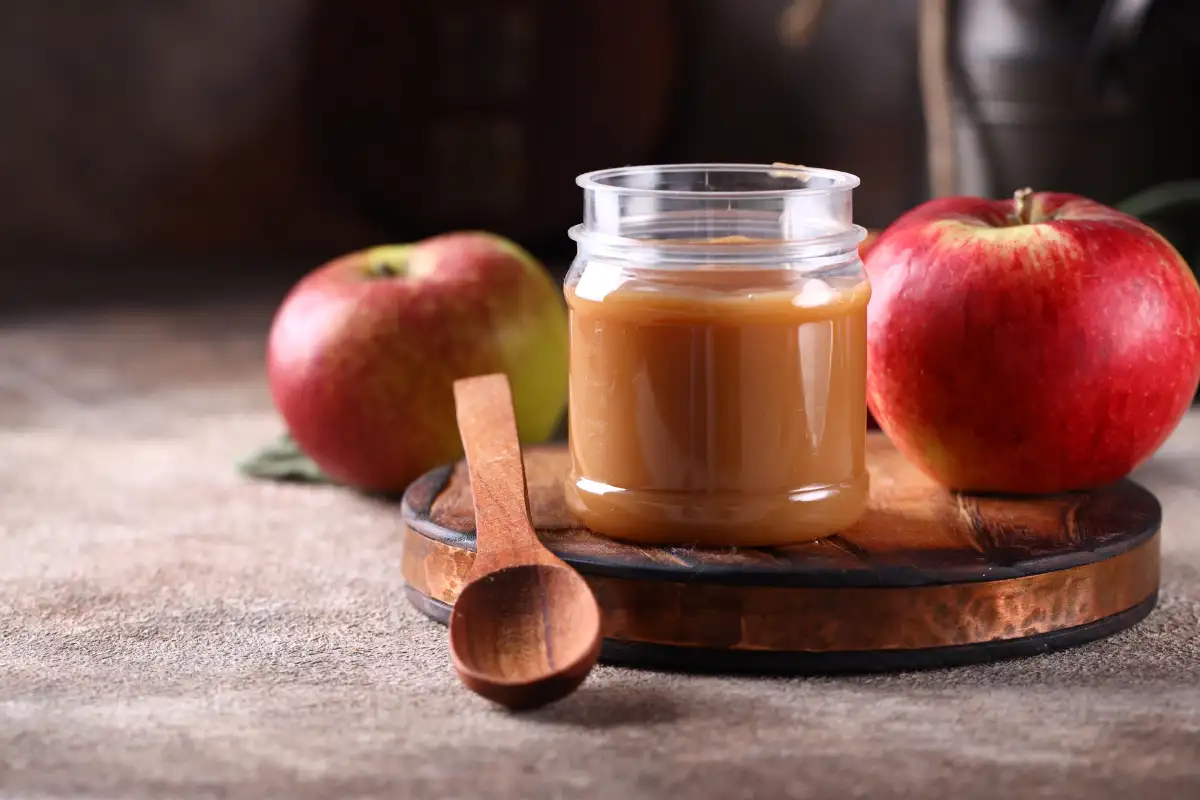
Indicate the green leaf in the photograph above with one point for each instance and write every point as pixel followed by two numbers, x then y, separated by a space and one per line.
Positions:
pixel 1163 199
pixel 1172 209
pixel 282 460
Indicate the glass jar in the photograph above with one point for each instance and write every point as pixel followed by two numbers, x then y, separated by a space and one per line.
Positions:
pixel 718 318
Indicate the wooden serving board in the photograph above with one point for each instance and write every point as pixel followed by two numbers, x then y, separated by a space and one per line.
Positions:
pixel 927 578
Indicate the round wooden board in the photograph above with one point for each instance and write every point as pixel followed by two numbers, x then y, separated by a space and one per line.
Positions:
pixel 926 578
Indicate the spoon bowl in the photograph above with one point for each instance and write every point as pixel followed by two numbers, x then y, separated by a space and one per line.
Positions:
pixel 525 635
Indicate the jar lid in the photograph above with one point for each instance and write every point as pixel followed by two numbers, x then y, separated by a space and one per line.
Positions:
pixel 731 213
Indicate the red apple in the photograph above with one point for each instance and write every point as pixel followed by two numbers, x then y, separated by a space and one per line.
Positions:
pixel 863 248
pixel 1035 345
pixel 363 353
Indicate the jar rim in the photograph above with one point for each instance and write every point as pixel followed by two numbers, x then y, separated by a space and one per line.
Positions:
pixel 601 180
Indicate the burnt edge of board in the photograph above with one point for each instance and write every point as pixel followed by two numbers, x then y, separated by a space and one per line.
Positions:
pixel 673 658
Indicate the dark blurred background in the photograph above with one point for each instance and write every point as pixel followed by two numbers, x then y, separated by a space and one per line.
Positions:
pixel 195 145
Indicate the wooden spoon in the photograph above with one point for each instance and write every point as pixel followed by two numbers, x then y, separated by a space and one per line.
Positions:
pixel 525 630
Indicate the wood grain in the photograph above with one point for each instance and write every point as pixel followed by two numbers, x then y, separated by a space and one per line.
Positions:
pixel 499 506
pixel 914 532
pixel 924 570
pixel 525 629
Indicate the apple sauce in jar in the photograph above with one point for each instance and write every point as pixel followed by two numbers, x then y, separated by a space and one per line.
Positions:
pixel 718 356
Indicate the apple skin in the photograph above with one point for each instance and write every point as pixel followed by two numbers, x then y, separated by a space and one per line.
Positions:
pixel 363 353
pixel 863 248
pixel 1029 358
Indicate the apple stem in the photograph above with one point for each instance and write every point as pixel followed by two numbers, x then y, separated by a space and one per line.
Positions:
pixel 1023 203
pixel 382 269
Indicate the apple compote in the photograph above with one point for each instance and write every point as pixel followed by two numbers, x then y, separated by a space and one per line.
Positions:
pixel 718 356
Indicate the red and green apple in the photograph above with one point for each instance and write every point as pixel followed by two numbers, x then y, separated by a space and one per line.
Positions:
pixel 363 353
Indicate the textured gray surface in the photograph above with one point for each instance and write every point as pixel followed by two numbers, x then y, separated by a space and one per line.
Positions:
pixel 168 629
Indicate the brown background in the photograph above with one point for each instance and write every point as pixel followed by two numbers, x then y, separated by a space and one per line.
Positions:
pixel 136 126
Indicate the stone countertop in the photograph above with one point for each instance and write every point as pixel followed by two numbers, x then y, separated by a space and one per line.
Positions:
pixel 169 628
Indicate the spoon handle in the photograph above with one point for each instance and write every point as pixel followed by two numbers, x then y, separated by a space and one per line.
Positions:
pixel 504 534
